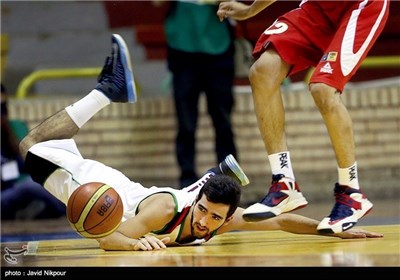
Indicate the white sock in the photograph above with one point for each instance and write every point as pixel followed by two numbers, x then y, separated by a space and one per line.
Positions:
pixel 349 176
pixel 281 164
pixel 85 108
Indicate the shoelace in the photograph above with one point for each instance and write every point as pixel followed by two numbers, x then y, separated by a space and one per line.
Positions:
pixel 119 77
pixel 275 186
pixel 113 74
pixel 104 75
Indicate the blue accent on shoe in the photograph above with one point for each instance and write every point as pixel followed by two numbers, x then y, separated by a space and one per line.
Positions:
pixel 344 203
pixel 283 196
pixel 351 205
pixel 126 62
pixel 116 79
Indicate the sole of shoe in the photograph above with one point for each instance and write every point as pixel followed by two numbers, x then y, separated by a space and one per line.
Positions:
pixel 237 170
pixel 255 213
pixel 256 217
pixel 126 62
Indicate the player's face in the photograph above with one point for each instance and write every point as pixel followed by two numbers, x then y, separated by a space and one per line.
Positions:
pixel 207 217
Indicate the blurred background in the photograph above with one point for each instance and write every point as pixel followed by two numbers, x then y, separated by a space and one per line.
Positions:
pixel 40 35
pixel 52 52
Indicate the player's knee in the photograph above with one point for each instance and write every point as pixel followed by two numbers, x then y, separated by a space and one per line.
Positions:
pixel 326 98
pixel 320 88
pixel 267 72
pixel 259 79
pixel 26 143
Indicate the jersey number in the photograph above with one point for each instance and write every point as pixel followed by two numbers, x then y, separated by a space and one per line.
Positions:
pixel 276 28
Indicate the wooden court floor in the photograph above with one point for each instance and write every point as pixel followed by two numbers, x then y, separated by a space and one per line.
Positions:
pixel 274 248
pixel 235 249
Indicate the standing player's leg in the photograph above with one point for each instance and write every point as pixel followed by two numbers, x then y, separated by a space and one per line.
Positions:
pixel 266 76
pixel 358 31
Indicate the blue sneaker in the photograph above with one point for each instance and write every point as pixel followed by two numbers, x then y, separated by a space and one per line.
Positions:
pixel 283 196
pixel 116 78
pixel 351 205
pixel 229 166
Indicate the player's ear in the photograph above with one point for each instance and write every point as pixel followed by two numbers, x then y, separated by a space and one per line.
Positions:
pixel 228 219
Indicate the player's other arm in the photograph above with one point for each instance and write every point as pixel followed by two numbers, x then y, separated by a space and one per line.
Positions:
pixel 133 234
pixel 299 224
pixel 240 11
pixel 292 223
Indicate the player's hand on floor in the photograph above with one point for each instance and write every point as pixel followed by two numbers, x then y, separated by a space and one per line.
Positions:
pixel 358 233
pixel 149 243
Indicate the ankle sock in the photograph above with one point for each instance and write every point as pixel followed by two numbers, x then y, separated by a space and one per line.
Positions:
pixel 85 108
pixel 281 164
pixel 349 176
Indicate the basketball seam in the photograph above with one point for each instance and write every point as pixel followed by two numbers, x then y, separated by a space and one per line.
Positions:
pixel 89 205
pixel 113 211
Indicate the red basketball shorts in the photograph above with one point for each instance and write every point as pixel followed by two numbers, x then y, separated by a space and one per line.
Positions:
pixel 332 36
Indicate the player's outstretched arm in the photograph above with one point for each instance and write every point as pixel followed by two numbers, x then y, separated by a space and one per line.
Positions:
pixel 299 224
pixel 134 233
pixel 292 223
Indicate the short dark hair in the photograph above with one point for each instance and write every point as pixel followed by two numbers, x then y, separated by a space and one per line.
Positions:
pixel 222 189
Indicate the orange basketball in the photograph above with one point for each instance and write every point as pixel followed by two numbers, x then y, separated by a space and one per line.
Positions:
pixel 94 210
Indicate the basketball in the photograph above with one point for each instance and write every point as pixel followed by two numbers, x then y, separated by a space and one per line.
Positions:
pixel 94 210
